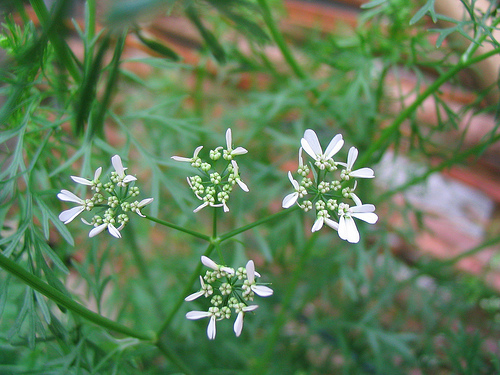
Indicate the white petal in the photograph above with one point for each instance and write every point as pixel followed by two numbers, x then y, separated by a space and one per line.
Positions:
pixel 197 151
pixel 332 224
pixel 310 143
pixel 68 215
pixel 352 234
pixel 238 324
pixel 209 263
pixel 85 221
pixel 356 199
pixel 363 173
pixel 351 157
pixel 68 196
pixel 97 230
pixel 334 146
pixel 363 208
pixel 211 331
pixel 145 202
pixel 250 267
pixel 229 138
pixel 342 228
pixel 262 290
pixel 293 181
pixel 250 308
pixel 228 270
pixel 200 207
pixel 129 178
pixel 193 296
pixel 239 151
pixel 242 185
pixel 368 217
pixel 81 180
pixel 290 200
pixel 226 208
pixel 181 158
pixel 195 315
pixel 117 164
pixel 114 232
pixel 301 161
pixel 97 173
pixel 318 224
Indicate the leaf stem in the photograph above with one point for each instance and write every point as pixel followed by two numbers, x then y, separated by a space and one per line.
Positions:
pixel 58 297
pixel 179 228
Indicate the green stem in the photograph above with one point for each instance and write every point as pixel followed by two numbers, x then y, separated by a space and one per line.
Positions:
pixel 179 228
pixel 263 362
pixel 279 40
pixel 244 228
pixel 388 132
pixel 185 292
pixel 63 300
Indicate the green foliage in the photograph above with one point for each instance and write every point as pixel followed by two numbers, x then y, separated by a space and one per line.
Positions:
pixel 70 304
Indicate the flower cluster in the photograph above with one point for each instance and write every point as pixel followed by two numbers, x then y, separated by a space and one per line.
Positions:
pixel 327 194
pixel 211 186
pixel 229 291
pixel 111 199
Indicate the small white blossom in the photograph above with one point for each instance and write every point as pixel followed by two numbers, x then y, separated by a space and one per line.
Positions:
pixel 230 152
pixel 291 198
pixel 213 313
pixel 211 264
pixel 206 290
pixel 359 173
pixel 311 145
pixel 347 227
pixel 123 179
pixel 95 184
pixel 136 206
pixel 67 216
pixel 241 309
pixel 237 178
pixel 195 160
pixel 260 290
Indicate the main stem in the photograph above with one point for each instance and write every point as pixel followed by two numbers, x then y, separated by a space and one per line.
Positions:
pixel 53 294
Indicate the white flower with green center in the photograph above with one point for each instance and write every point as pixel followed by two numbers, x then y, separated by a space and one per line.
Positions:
pixel 213 313
pixel 236 177
pixel 136 206
pixel 260 290
pixel 311 146
pixel 292 198
pixel 120 178
pixel 348 173
pixel 229 152
pixel 94 184
pixel 195 160
pixel 241 309
pixel 221 270
pixel 206 290
pixel 347 227
pixel 67 216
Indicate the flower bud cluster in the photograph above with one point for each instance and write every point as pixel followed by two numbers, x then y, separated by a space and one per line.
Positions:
pixel 111 200
pixel 229 292
pixel 213 186
pixel 330 191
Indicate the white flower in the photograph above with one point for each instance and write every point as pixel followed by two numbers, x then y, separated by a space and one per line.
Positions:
pixel 359 173
pixel 194 160
pixel 206 290
pixel 347 227
pixel 95 184
pixel 260 290
pixel 136 206
pixel 311 145
pixel 107 224
pixel 238 323
pixel 291 199
pixel 67 216
pixel 211 264
pixel 213 313
pixel 229 152
pixel 237 178
pixel 320 220
pixel 120 171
